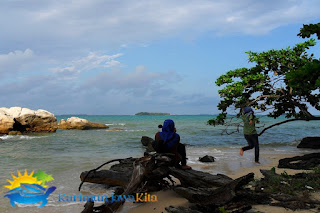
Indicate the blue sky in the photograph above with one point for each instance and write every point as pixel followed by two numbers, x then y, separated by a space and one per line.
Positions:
pixel 123 57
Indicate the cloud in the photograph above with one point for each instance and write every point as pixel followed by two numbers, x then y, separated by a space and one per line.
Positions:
pixel 90 62
pixel 137 81
pixel 15 61
pixel 107 92
pixel 96 24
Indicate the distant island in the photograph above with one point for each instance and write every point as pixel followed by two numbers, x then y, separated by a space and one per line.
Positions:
pixel 152 113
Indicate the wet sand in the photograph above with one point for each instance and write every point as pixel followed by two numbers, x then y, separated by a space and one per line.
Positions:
pixel 170 198
pixel 230 164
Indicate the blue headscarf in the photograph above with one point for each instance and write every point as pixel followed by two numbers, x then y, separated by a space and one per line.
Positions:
pixel 248 111
pixel 168 135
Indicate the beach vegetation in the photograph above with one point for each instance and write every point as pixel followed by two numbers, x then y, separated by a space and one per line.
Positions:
pixel 222 210
pixel 291 184
pixel 281 82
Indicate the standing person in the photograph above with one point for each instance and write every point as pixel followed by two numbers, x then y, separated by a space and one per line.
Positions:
pixel 159 128
pixel 250 132
pixel 168 141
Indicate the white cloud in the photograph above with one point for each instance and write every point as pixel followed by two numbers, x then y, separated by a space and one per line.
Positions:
pixel 14 62
pixel 92 61
pixel 138 81
pixel 84 24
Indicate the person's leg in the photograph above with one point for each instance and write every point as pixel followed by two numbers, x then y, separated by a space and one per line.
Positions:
pixel 250 143
pixel 256 147
pixel 181 149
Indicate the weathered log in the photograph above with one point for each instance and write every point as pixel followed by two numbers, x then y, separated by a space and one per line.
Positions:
pixel 142 166
pixel 307 161
pixel 124 165
pixel 118 175
pixel 310 142
pixel 180 209
pixel 215 196
pixel 88 207
pixel 93 170
pixel 294 205
pixel 147 141
pixel 194 178
pixel 237 207
pixel 111 178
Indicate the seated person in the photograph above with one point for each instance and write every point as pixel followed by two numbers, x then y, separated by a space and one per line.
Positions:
pixel 168 141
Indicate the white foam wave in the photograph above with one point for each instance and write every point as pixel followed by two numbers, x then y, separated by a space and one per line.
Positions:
pixel 125 130
pixel 116 124
pixel 20 137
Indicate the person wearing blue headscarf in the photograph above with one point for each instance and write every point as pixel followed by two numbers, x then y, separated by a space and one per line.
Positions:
pixel 250 132
pixel 168 141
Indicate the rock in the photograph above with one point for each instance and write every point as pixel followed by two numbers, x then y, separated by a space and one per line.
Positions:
pixel 310 142
pixel 14 133
pixel 26 120
pixel 207 159
pixel 6 122
pixel 79 123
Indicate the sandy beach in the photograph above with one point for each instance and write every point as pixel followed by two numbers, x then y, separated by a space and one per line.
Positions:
pixel 170 198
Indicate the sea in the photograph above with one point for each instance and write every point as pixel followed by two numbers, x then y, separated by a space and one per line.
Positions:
pixel 66 153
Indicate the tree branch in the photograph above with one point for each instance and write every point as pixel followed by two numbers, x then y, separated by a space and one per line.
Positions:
pixel 264 96
pixel 286 121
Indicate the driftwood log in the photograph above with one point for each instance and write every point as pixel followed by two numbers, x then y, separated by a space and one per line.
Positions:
pixel 307 161
pixel 207 192
pixel 153 170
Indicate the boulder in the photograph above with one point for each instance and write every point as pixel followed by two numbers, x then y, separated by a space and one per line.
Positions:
pixel 206 159
pixel 26 120
pixel 80 123
pixel 310 142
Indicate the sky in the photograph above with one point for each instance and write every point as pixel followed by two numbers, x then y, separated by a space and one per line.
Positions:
pixel 111 57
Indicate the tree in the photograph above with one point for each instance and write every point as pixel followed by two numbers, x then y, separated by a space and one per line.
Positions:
pixel 284 81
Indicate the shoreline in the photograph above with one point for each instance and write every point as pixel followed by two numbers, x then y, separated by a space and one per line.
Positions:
pixel 228 162
pixel 170 198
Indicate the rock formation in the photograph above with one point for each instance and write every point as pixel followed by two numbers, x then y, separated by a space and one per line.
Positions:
pixel 26 120
pixel 79 123
pixel 310 142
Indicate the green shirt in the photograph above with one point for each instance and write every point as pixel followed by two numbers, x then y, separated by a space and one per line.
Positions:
pixel 247 128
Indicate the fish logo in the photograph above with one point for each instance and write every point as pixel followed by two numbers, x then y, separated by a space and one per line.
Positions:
pixel 29 188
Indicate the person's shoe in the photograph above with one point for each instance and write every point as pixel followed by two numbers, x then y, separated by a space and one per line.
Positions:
pixel 241 152
pixel 257 162
pixel 186 167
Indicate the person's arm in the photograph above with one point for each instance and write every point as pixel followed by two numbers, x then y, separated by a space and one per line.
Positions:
pixel 251 119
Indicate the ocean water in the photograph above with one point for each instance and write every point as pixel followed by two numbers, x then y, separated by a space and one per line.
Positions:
pixel 66 153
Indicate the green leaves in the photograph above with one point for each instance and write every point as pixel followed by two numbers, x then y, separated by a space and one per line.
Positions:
pixel 307 30
pixel 281 81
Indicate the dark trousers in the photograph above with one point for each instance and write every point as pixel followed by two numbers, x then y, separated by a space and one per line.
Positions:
pixel 181 149
pixel 253 141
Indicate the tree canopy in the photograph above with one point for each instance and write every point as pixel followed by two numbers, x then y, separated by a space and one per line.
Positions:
pixel 282 82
